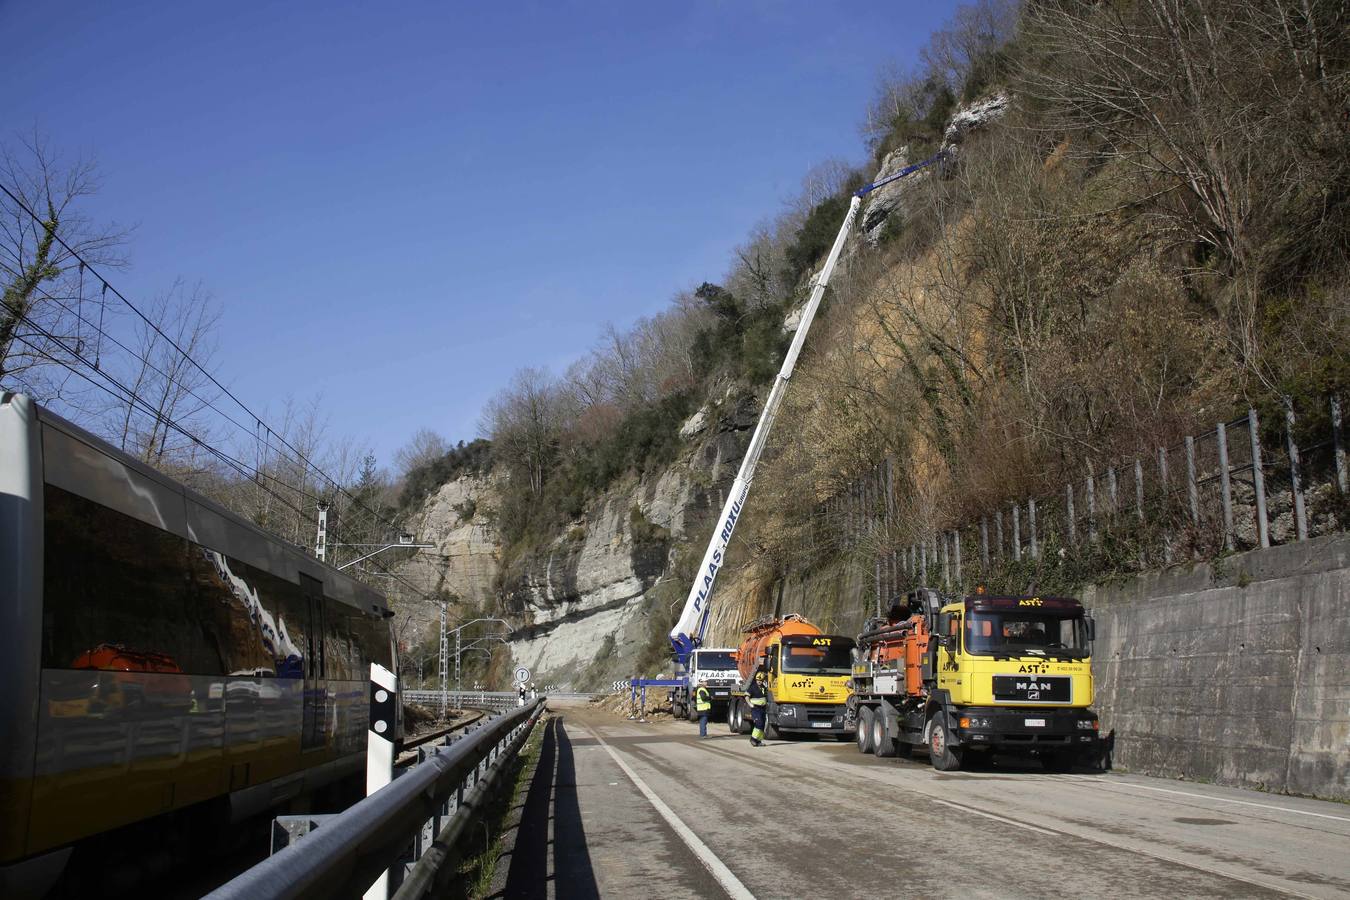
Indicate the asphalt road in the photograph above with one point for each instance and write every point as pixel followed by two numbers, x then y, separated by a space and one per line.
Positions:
pixel 622 809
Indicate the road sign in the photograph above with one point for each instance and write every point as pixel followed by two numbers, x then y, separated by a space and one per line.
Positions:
pixel 522 675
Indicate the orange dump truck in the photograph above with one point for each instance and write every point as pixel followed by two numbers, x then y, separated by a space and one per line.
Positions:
pixel 808 678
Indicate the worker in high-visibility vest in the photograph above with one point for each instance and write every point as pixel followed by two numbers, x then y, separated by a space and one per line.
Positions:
pixel 703 706
pixel 758 696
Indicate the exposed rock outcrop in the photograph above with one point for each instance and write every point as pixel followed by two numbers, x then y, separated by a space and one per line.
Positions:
pixel 888 201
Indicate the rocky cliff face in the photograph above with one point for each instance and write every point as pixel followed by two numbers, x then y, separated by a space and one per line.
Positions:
pixel 595 603
pixel 583 608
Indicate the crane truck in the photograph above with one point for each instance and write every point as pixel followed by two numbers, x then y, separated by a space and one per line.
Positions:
pixel 687 634
pixel 715 667
pixel 977 675
pixel 808 678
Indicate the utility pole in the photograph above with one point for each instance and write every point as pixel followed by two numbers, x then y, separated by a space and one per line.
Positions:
pixel 445 653
pixel 321 540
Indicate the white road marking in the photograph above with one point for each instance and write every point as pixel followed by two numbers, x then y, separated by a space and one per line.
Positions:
pixel 989 815
pixel 1145 787
pixel 729 882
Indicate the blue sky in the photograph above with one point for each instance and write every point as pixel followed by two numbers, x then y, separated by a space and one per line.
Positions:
pixel 399 204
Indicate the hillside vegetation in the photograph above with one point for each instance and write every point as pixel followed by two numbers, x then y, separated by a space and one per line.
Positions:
pixel 1151 236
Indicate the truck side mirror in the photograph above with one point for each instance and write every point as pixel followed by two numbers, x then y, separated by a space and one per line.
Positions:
pixel 1091 628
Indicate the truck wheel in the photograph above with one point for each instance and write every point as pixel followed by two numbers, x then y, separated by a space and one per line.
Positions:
pixel 731 716
pixel 693 713
pixel 865 729
pixel 771 732
pixel 944 756
pixel 1058 761
pixel 883 745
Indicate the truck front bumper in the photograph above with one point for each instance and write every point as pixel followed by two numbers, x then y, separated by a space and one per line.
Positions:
pixel 1027 730
pixel 822 718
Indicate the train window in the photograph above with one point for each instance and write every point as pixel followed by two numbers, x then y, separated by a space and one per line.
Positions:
pixel 117 590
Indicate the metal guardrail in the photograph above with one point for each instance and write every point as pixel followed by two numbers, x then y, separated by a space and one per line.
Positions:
pixel 347 854
pixel 483 699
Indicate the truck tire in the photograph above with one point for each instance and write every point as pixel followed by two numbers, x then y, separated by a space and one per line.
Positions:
pixel 865 729
pixel 944 756
pixel 883 744
pixel 693 713
pixel 731 716
pixel 771 732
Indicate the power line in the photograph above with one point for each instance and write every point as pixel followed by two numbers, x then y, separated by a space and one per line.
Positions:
pixel 269 432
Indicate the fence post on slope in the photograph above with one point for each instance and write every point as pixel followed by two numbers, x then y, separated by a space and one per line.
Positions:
pixel 1258 479
pixel 1295 482
pixel 1225 487
pixel 1338 446
pixel 1192 487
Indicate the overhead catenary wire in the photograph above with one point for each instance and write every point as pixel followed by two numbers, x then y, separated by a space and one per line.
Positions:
pixel 269 432
pixel 108 383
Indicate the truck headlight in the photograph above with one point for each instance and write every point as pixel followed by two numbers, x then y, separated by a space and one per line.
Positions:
pixel 787 712
pixel 1088 724
pixel 974 722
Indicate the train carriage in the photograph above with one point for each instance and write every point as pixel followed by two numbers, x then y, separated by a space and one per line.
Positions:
pixel 160 652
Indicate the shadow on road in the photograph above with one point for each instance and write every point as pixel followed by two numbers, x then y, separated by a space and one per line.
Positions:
pixel 554 786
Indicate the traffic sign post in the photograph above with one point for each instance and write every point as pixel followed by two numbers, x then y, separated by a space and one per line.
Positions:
pixel 522 675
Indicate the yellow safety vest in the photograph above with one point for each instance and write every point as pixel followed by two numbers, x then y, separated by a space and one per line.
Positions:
pixel 702 701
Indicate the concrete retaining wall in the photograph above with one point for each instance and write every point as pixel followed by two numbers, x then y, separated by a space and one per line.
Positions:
pixel 1236 672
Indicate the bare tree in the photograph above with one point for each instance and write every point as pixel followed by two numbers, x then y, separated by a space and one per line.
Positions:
pixel 526 422
pixel 423 447
pixel 173 390
pixel 44 318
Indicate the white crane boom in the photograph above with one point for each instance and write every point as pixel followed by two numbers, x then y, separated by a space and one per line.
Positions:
pixel 688 631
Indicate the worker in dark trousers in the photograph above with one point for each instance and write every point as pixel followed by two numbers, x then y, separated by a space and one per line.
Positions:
pixel 758 695
pixel 703 706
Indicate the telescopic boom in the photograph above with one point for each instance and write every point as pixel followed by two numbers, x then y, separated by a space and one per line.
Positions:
pixel 688 631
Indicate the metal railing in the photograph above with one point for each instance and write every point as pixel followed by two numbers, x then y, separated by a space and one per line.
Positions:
pixel 1243 485
pixel 345 856
pixel 483 699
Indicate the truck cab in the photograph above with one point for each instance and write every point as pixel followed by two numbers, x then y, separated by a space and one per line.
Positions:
pixel 978 675
pixel 716 666
pixel 1016 675
pixel 808 685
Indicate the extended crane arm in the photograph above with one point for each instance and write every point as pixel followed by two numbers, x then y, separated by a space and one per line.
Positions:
pixel 688 631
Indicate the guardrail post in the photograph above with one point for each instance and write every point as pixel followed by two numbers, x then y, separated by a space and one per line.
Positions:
pixel 1338 446
pixel 1258 479
pixel 1295 484
pixel 1225 487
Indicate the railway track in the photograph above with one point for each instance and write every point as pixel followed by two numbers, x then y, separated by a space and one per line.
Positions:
pixel 409 754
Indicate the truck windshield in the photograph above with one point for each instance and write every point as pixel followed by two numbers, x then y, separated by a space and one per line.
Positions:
pixel 713 660
pixel 832 660
pixel 1025 634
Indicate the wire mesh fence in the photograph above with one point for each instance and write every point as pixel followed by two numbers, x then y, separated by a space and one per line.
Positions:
pixel 1249 483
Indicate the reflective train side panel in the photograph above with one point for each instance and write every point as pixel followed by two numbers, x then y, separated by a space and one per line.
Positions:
pixel 170 653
